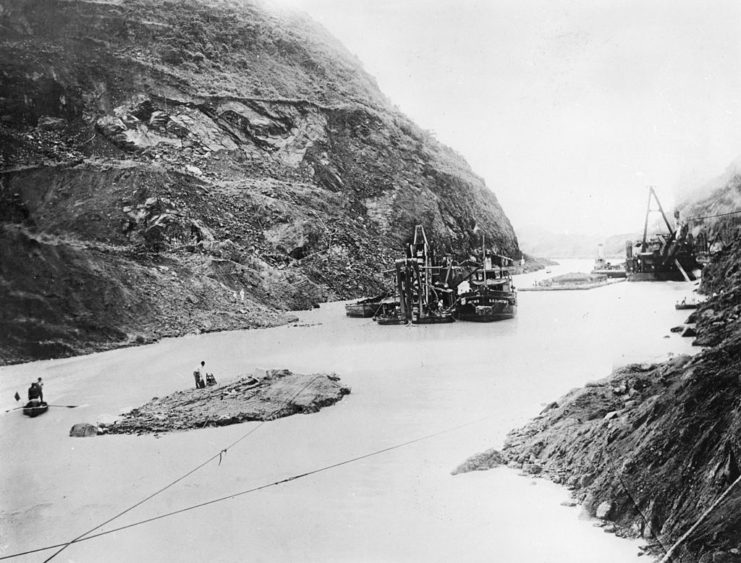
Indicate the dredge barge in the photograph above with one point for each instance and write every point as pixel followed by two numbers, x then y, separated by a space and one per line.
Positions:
pixel 663 257
pixel 432 291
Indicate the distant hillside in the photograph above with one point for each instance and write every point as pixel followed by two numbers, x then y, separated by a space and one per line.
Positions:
pixel 171 167
pixel 541 242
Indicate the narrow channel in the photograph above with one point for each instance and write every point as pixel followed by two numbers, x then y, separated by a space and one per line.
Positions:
pixel 407 382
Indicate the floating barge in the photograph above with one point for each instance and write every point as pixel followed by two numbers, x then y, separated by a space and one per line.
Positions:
pixel 422 293
pixel 365 308
pixel 430 291
pixel 573 281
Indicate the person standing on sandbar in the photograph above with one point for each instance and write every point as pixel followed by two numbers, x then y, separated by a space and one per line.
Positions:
pixel 199 374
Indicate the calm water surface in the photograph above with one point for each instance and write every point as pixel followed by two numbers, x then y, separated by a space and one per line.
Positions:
pixel 407 382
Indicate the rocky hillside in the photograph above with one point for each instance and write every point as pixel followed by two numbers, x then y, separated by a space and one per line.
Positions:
pixel 542 242
pixel 715 208
pixel 170 167
pixel 650 448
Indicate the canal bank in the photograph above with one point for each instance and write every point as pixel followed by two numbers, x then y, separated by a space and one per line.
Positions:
pixel 407 382
pixel 652 450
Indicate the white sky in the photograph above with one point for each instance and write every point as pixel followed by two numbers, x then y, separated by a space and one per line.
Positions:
pixel 569 110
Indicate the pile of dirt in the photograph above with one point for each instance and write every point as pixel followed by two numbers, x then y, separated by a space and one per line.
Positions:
pixel 279 393
pixel 245 151
pixel 651 447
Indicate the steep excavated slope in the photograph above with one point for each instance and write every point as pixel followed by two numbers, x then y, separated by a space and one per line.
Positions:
pixel 157 159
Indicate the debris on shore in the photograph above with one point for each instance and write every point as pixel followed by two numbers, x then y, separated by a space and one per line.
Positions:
pixel 652 448
pixel 279 393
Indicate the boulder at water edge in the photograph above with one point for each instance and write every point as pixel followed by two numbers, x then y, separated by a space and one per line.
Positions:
pixel 83 430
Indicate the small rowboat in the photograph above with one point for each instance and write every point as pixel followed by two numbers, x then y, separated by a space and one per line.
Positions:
pixel 35 408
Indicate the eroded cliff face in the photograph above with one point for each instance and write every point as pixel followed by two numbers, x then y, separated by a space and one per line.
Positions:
pixel 157 159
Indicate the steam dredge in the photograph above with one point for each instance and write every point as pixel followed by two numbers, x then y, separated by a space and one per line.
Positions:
pixel 664 256
pixel 431 291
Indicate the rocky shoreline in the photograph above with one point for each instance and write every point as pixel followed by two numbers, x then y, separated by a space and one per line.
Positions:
pixel 650 448
pixel 276 394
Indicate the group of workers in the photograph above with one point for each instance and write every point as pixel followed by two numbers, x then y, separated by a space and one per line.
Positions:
pixel 36 390
pixel 202 378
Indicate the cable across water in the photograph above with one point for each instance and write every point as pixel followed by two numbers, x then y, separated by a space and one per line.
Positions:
pixel 218 455
pixel 87 536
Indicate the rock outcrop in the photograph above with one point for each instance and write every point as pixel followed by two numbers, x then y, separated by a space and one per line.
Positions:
pixel 157 159
pixel 83 430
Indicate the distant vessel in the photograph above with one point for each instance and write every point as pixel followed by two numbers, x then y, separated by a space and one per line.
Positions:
pixel 603 267
pixel 492 296
pixel 691 303
pixel 572 281
pixel 365 308
pixel 663 257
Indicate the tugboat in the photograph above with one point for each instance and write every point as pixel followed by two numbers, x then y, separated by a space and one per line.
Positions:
pixel 492 295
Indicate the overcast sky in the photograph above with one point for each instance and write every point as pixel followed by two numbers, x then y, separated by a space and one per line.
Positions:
pixel 568 110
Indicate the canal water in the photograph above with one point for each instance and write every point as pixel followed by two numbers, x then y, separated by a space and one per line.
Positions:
pixel 469 382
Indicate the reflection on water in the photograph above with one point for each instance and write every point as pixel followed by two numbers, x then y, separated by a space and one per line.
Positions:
pixel 407 381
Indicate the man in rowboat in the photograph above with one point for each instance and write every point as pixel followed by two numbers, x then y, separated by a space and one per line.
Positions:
pixel 35 393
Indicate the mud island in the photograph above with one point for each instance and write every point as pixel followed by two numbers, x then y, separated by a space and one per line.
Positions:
pixel 279 393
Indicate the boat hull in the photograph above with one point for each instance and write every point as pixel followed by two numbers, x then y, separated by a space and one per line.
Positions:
pixel 359 310
pixel 488 317
pixel 390 321
pixel 486 307
pixel 610 273
pixel 656 276
pixel 434 320
pixel 365 308
pixel 35 408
